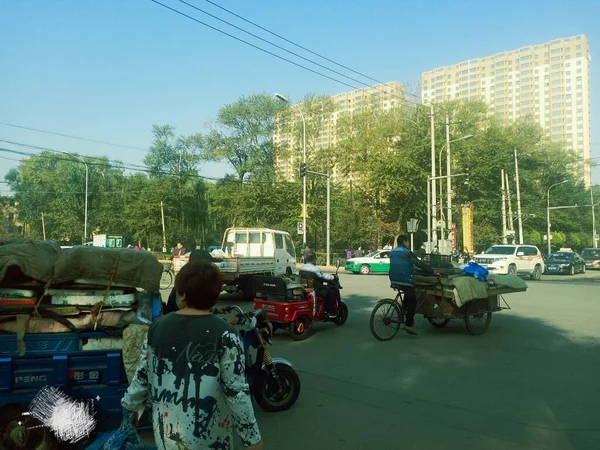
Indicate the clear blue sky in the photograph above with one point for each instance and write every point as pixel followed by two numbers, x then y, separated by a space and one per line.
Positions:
pixel 109 69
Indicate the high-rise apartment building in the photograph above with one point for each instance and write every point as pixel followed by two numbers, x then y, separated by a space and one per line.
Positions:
pixel 548 81
pixel 288 153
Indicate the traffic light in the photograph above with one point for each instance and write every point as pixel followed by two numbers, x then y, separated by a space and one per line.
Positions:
pixel 468 177
pixel 302 170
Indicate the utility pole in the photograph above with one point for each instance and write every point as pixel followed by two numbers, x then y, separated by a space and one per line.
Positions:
pixel 328 220
pixel 43 226
pixel 519 213
pixel 594 240
pixel 504 240
pixel 510 222
pixel 162 213
pixel 449 179
pixel 433 235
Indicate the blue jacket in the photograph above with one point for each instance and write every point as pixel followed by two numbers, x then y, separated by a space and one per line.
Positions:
pixel 401 268
pixel 402 262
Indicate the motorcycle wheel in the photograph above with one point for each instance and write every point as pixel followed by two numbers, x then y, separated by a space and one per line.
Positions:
pixel 300 328
pixel 342 315
pixel 265 392
pixel 19 432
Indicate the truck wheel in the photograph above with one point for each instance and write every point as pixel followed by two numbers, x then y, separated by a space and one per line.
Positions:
pixel 19 432
pixel 512 270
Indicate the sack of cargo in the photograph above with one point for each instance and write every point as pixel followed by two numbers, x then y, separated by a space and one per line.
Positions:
pixel 120 266
pixel 107 318
pixel 34 259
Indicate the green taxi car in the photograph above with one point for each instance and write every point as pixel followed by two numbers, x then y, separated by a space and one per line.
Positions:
pixel 376 262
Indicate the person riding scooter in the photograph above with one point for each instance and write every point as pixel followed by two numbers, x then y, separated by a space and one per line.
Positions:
pixel 328 292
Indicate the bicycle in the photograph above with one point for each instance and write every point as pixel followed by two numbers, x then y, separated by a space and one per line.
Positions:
pixel 391 319
pixel 167 277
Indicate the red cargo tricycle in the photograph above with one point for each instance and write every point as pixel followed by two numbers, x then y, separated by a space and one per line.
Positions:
pixel 292 303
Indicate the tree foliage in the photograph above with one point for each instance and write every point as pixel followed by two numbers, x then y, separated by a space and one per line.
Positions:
pixel 380 161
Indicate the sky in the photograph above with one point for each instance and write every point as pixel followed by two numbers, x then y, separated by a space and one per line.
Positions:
pixel 110 69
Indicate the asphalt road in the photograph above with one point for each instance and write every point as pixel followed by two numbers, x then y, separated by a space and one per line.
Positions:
pixel 530 382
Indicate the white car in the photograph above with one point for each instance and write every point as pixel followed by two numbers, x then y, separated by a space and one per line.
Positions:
pixel 376 262
pixel 513 259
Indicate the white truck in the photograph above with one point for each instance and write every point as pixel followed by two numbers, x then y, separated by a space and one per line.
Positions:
pixel 247 252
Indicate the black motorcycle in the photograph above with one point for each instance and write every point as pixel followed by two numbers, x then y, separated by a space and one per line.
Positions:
pixel 273 381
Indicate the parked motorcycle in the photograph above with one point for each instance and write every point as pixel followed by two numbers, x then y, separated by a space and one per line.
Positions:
pixel 273 381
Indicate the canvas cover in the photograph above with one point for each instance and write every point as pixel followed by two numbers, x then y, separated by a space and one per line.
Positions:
pixel 45 261
pixel 35 259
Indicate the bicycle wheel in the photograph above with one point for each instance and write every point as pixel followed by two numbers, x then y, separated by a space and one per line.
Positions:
pixel 386 319
pixel 166 280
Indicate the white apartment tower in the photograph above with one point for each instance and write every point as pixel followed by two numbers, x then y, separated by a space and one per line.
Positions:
pixel 549 81
pixel 381 96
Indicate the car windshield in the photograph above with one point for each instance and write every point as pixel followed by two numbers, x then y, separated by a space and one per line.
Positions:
pixel 370 255
pixel 561 257
pixel 591 254
pixel 500 251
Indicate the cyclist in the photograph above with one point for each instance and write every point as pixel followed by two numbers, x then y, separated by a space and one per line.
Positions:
pixel 402 263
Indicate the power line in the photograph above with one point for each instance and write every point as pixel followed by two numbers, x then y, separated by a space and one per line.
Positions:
pixel 278 46
pixel 300 46
pixel 257 47
pixel 70 136
pixel 61 152
pixel 120 165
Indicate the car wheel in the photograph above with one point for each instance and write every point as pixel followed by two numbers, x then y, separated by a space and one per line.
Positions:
pixel 572 270
pixel 512 270
pixel 583 269
pixel 365 269
pixel 537 273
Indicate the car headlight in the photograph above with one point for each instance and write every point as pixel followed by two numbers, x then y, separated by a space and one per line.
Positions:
pixel 564 266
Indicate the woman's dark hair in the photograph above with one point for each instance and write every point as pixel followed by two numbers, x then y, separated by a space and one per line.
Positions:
pixel 200 282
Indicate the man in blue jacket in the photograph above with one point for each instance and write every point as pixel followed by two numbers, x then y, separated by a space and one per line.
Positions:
pixel 402 263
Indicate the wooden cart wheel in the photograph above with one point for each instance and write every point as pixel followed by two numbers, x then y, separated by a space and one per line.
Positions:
pixel 477 321
pixel 386 319
pixel 438 322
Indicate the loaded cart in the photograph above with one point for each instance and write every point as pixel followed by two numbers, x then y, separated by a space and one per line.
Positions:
pixel 74 319
pixel 454 295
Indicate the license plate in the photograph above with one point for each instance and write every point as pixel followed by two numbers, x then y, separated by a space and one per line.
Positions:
pixel 553 268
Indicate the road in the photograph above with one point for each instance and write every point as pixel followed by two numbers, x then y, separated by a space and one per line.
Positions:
pixel 529 383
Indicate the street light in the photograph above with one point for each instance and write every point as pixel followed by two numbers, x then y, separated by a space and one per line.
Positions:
pixel 283 99
pixel 85 220
pixel 548 214
pixel 448 172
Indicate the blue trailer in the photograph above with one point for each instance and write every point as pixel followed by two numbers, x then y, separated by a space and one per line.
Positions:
pixel 85 364
pixel 75 362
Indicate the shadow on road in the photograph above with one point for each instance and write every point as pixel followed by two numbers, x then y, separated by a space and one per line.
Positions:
pixel 525 384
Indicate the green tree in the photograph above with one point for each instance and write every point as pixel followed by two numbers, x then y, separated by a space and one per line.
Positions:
pixel 243 136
